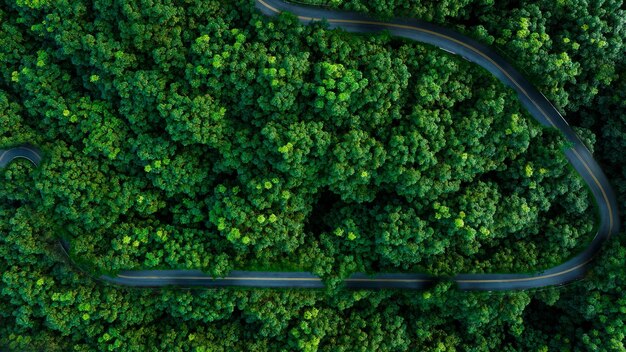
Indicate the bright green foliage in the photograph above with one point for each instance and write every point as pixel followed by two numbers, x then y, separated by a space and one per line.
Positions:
pixel 203 135
pixel 570 49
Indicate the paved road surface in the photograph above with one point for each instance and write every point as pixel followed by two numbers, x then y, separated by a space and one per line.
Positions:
pixel 27 152
pixel 538 106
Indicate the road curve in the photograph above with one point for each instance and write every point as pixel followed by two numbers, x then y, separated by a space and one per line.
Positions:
pixel 538 106
pixel 27 152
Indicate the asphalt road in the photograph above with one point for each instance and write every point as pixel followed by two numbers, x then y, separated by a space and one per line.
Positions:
pixel 538 106
pixel 27 152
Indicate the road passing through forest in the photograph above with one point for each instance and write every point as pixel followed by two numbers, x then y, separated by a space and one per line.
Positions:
pixel 538 106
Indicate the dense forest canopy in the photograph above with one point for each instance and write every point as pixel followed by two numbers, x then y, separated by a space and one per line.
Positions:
pixel 572 50
pixel 203 135
pixel 200 137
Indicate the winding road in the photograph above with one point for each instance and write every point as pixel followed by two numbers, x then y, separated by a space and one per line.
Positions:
pixel 27 152
pixel 538 106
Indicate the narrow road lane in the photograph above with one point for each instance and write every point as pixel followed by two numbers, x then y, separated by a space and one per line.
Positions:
pixel 538 106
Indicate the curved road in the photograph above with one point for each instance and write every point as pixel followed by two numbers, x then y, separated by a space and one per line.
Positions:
pixel 27 152
pixel 538 106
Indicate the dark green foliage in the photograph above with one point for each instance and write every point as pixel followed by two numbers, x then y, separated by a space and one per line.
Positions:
pixel 214 140
pixel 202 135
pixel 570 49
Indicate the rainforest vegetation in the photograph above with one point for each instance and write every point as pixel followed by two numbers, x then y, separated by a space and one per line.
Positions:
pixel 203 135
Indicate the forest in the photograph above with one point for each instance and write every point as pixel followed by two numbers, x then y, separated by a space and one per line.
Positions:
pixel 187 134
